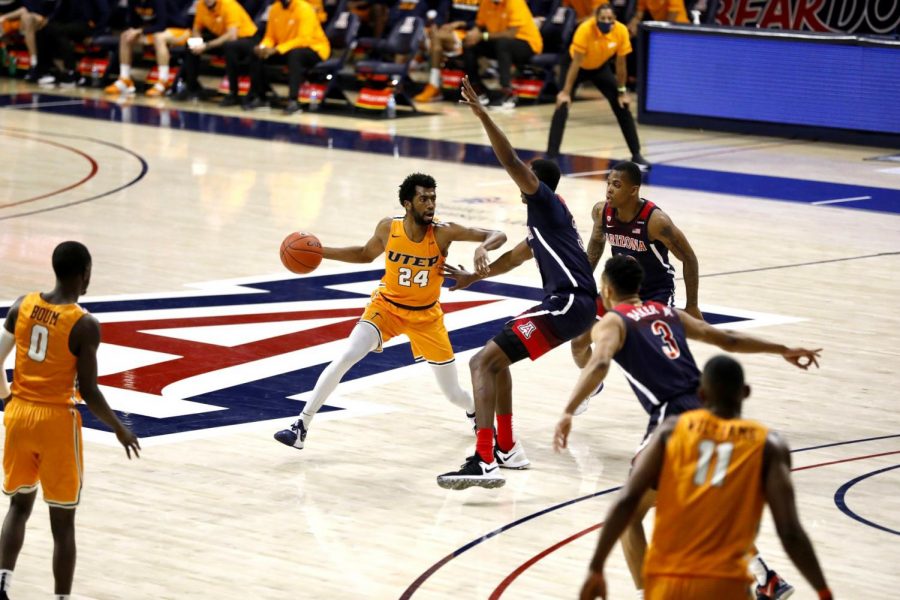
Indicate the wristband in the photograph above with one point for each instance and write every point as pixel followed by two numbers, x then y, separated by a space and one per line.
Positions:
pixel 825 594
pixel 484 36
pixel 622 89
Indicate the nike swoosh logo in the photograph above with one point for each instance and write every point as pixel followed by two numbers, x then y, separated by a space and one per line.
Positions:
pixel 491 470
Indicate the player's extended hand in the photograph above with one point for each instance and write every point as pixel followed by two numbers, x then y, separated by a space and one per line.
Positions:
pixel 801 357
pixel 594 587
pixel 129 441
pixel 623 100
pixel 462 277
pixel 563 98
pixel 481 262
pixel 469 97
pixel 561 435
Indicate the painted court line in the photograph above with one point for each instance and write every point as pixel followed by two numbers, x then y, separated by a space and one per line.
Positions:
pixel 838 200
pixel 42 104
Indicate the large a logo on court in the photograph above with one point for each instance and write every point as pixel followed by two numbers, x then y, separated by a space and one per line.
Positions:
pixel 234 353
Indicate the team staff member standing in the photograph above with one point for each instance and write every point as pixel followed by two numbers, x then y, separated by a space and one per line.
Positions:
pixel 660 10
pixel 505 30
pixel 234 32
pixel 294 36
pixel 55 340
pixel 595 43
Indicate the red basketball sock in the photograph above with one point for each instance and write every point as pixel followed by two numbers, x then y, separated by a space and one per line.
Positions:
pixel 484 444
pixel 505 439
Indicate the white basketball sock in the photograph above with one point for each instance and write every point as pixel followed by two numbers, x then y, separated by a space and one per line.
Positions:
pixel 124 71
pixel 448 381
pixel 363 339
pixel 5 579
pixel 164 75
pixel 759 569
pixel 434 77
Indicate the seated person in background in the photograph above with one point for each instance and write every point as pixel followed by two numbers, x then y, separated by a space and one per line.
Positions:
pixel 76 21
pixel 11 12
pixel 446 41
pixel 672 11
pixel 293 36
pixel 373 15
pixel 584 9
pixel 33 16
pixel 219 24
pixel 157 22
pixel 505 30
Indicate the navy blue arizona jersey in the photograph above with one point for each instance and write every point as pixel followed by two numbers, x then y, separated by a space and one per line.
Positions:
pixel 633 239
pixel 557 246
pixel 655 356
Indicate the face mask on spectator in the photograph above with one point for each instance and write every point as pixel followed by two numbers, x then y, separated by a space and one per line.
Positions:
pixel 604 27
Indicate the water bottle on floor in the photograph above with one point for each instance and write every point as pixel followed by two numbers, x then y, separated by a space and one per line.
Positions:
pixel 391 107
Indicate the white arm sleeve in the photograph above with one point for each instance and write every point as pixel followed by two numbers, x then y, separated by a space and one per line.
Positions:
pixel 7 343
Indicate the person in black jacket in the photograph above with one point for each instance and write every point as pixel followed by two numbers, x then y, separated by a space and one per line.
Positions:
pixel 77 21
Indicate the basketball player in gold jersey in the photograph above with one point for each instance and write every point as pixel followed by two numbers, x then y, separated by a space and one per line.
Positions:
pixel 55 341
pixel 714 471
pixel 406 300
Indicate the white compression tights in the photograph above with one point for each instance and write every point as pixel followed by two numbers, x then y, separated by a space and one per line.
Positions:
pixel 448 381
pixel 363 339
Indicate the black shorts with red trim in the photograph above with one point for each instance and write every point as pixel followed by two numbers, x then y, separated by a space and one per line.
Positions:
pixel 551 323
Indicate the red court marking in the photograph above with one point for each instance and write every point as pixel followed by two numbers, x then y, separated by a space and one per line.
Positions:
pixel 843 460
pixel 93 163
pixel 195 358
pixel 498 591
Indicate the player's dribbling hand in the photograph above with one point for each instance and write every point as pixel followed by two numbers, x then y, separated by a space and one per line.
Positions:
pixel 462 277
pixel 563 98
pixel 469 97
pixel 594 587
pixel 129 441
pixel 561 435
pixel 801 357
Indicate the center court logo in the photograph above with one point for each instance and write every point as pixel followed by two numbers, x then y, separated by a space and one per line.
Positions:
pixel 241 352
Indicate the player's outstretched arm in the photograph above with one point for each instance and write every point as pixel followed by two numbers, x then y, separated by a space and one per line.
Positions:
pixel 518 170
pixel 83 342
pixel 362 254
pixel 608 336
pixel 489 238
pixel 645 474
pixel 734 341
pixel 507 262
pixel 779 493
pixel 663 229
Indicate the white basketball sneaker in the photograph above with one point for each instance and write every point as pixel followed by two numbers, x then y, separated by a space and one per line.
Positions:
pixel 586 402
pixel 474 472
pixel 514 459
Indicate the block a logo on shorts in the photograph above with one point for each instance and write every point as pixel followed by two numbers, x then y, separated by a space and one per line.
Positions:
pixel 527 329
pixel 238 352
